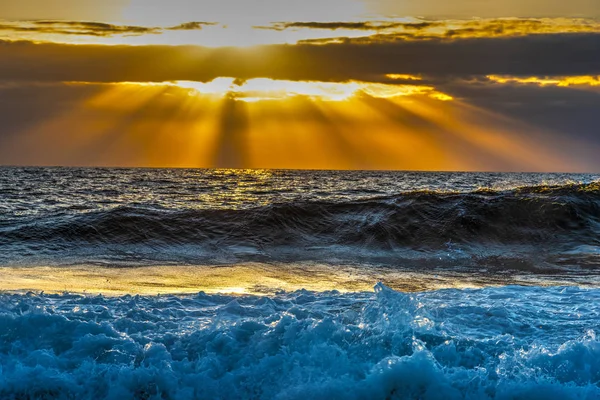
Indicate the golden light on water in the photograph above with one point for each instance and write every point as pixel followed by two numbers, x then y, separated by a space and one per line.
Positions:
pixel 254 279
pixel 242 279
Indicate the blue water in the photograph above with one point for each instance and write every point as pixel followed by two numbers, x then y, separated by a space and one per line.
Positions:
pixel 490 285
pixel 495 343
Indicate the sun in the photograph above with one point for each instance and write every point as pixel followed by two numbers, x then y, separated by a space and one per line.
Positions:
pixel 235 23
pixel 274 89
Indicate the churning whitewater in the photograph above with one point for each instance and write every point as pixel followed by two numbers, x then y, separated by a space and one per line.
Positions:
pixel 494 343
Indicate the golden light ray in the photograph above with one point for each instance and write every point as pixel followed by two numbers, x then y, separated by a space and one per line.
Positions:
pixel 78 130
pixel 277 124
pixel 185 134
pixel 496 137
pixel 548 146
pixel 233 130
pixel 286 135
pixel 129 106
pixel 129 125
pixel 416 140
pixel 330 125
pixel 280 129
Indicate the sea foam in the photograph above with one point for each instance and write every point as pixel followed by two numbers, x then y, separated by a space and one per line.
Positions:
pixel 495 343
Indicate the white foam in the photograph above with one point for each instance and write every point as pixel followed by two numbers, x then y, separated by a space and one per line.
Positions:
pixel 493 343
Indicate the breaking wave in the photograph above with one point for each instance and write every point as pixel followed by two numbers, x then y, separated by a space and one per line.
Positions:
pixel 446 344
pixel 556 217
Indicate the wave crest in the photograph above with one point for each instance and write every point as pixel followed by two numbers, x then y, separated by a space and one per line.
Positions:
pixel 417 220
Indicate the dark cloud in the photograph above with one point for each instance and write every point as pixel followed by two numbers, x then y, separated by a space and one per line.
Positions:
pixel 281 26
pixel 89 28
pixel 92 28
pixel 191 26
pixel 363 26
pixel 392 30
pixel 435 59
pixel 515 27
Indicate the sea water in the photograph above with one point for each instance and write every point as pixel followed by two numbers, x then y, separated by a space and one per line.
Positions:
pixel 179 284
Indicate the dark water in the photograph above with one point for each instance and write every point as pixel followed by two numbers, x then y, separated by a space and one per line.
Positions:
pixel 483 224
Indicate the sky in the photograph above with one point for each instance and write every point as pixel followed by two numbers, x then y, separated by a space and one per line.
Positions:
pixel 505 85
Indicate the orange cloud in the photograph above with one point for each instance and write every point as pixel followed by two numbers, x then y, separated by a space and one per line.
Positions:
pixel 241 33
pixel 560 81
pixel 417 29
pixel 91 28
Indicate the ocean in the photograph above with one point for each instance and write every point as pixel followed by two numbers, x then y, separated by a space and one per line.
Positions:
pixel 229 284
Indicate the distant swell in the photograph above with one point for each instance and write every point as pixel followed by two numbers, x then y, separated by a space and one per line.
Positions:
pixel 417 220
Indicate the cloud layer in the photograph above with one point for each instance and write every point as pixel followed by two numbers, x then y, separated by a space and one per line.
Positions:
pixel 315 31
pixel 413 28
pixel 91 28
pixel 436 59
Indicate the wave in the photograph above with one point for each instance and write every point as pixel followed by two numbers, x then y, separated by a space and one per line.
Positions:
pixel 494 343
pixel 539 215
